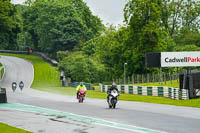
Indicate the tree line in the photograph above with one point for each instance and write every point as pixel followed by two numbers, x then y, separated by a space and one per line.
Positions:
pixel 89 51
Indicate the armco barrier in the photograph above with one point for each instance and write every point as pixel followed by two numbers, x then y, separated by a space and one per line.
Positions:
pixel 169 92
pixel 13 52
pixel 45 57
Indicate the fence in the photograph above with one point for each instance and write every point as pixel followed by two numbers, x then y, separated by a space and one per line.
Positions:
pixel 169 92
pixel 45 57
pixel 149 78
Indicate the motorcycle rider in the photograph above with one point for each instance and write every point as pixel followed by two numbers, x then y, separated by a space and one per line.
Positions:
pixel 113 87
pixel 80 87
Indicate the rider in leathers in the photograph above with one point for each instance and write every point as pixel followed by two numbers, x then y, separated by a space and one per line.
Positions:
pixel 113 87
pixel 80 87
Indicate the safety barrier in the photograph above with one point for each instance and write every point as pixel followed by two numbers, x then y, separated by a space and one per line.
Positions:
pixel 45 57
pixel 169 92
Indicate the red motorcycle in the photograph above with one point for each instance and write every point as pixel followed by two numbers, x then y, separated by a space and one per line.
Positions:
pixel 81 96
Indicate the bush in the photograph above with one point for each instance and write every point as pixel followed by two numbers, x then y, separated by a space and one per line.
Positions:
pixel 79 67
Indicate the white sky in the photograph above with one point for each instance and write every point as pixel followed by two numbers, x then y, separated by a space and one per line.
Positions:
pixel 110 11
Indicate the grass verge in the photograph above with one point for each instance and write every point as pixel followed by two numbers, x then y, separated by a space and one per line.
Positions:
pixel 173 83
pixel 44 74
pixel 47 79
pixel 128 97
pixel 4 128
pixel 2 71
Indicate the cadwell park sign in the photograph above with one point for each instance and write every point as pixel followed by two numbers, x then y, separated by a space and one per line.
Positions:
pixel 189 80
pixel 173 59
pixel 180 59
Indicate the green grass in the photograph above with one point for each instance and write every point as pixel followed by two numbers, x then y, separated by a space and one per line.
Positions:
pixel 2 71
pixel 173 83
pixel 161 100
pixel 72 91
pixel 4 128
pixel 128 97
pixel 44 74
pixel 47 79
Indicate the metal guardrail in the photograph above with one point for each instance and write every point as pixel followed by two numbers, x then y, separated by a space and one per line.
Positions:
pixel 13 52
pixel 45 57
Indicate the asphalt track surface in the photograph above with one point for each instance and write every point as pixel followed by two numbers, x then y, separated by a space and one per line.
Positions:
pixel 126 118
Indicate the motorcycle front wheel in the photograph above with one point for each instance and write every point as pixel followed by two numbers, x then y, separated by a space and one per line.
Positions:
pixel 114 105
pixel 80 100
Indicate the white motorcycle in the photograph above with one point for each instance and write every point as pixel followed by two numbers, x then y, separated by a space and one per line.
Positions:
pixel 113 98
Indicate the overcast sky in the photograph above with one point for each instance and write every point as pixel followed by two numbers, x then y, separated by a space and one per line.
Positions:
pixel 110 11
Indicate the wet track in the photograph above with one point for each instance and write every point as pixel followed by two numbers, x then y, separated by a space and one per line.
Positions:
pixel 130 115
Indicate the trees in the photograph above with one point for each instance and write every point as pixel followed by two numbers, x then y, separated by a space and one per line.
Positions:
pixel 8 25
pixel 152 26
pixel 109 49
pixel 60 25
pixel 147 22
pixel 187 22
pixel 82 68
pixel 188 37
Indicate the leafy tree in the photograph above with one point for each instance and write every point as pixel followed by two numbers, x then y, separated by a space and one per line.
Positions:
pixel 81 68
pixel 147 30
pixel 191 47
pixel 30 22
pixel 93 23
pixel 8 25
pixel 182 14
pixel 187 37
pixel 190 15
pixel 152 26
pixel 62 33
pixel 109 49
pixel 60 24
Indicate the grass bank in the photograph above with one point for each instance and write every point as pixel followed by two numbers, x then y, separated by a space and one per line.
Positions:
pixel 47 79
pixel 4 128
pixel 44 74
pixel 173 83
pixel 2 71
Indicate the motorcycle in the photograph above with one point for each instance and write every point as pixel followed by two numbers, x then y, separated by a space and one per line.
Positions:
pixel 113 98
pixel 81 96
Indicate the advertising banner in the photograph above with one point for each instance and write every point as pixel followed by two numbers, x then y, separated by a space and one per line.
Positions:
pixel 180 59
